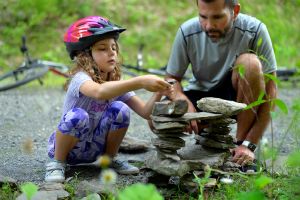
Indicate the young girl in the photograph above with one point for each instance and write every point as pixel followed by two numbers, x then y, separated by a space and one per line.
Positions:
pixel 97 104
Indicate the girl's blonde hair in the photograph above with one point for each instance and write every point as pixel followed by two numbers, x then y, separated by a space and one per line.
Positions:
pixel 85 62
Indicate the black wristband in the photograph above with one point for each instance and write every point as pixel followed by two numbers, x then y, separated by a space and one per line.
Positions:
pixel 239 142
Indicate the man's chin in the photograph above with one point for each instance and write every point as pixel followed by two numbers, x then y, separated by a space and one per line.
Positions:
pixel 214 39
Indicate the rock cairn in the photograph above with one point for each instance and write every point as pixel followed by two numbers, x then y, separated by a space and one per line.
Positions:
pixel 169 120
pixel 216 135
pixel 169 131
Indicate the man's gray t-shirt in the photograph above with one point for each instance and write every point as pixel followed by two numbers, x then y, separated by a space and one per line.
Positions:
pixel 95 108
pixel 211 61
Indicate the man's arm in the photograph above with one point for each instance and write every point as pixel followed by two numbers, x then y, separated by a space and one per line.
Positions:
pixel 242 154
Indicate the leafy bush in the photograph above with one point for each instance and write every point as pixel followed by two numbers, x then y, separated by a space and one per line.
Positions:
pixel 151 22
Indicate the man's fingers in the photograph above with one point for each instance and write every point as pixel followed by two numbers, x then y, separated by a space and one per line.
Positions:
pixel 194 127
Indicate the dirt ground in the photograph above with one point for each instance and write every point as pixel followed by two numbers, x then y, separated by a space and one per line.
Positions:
pixel 32 114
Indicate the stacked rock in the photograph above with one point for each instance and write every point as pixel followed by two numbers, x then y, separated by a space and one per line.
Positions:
pixel 216 135
pixel 169 121
pixel 169 131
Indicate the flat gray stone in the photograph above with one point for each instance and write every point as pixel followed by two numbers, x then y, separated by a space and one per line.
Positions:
pixel 47 195
pixel 171 143
pixel 193 157
pixel 170 134
pixel 131 144
pixel 225 130
pixel 170 108
pixel 207 142
pixel 167 167
pixel 168 125
pixel 163 155
pixel 197 154
pixel 228 139
pixel 217 105
pixel 51 186
pixel 94 186
pixel 171 131
pixel 187 117
pixel 221 121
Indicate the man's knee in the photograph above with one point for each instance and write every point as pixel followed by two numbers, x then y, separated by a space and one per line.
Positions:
pixel 250 62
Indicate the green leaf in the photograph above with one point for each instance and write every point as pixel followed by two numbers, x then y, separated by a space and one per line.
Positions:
pixel 242 70
pixel 261 57
pixel 140 191
pixel 272 77
pixel 263 181
pixel 255 103
pixel 261 96
pixel 29 189
pixel 281 105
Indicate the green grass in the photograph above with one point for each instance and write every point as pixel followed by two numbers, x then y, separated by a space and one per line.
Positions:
pixel 7 192
pixel 151 22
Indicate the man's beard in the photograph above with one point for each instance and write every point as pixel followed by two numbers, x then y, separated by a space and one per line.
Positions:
pixel 215 34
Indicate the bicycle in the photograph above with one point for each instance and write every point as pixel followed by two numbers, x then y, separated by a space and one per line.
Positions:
pixel 283 73
pixel 29 70
pixel 139 67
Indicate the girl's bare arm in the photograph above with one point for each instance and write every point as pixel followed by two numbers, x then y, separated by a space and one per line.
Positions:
pixel 111 89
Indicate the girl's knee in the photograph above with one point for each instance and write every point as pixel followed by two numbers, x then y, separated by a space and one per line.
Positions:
pixel 75 119
pixel 77 116
pixel 120 113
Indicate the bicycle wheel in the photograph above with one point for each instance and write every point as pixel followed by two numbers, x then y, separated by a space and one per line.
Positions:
pixel 22 75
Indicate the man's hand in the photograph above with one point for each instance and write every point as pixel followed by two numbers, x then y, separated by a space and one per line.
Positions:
pixel 242 155
pixel 193 126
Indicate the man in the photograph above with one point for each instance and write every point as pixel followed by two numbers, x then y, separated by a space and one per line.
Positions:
pixel 229 53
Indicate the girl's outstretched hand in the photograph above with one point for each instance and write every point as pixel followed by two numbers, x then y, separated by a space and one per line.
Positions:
pixel 154 83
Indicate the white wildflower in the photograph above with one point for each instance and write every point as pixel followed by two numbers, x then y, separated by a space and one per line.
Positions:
pixel 226 180
pixel 108 177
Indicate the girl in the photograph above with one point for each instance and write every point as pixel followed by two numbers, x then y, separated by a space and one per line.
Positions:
pixel 96 108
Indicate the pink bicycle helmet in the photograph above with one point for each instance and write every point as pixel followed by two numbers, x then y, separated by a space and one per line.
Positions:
pixel 86 31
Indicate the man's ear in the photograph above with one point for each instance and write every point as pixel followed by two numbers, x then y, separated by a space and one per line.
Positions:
pixel 236 10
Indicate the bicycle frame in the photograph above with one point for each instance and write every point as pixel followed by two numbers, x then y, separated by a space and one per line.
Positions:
pixel 29 70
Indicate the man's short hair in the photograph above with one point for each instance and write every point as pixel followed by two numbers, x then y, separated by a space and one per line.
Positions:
pixel 229 3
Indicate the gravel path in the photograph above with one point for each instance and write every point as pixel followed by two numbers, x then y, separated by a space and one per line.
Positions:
pixel 31 114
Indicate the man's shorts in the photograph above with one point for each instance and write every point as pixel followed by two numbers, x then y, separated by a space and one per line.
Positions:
pixel 224 90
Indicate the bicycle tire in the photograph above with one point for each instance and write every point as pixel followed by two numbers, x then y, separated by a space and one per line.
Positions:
pixel 22 75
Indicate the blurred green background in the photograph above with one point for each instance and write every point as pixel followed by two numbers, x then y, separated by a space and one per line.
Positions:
pixel 153 23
